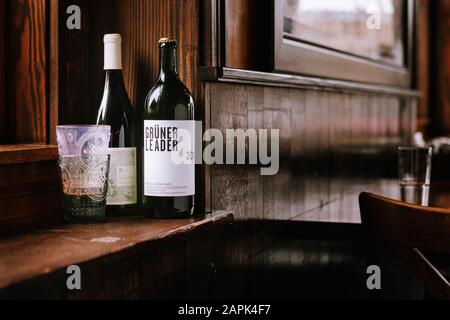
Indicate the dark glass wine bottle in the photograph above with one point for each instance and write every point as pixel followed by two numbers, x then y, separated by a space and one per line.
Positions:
pixel 116 111
pixel 168 149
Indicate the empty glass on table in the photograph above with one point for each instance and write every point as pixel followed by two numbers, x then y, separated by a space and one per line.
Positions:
pixel 415 174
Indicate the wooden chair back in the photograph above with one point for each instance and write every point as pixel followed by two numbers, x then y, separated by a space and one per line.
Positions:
pixel 412 229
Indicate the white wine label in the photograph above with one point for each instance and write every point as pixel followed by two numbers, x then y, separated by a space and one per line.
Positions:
pixel 169 148
pixel 122 187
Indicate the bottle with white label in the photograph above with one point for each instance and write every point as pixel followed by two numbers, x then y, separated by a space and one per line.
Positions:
pixel 168 142
pixel 116 111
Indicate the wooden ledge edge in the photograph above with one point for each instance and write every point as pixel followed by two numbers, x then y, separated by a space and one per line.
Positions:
pixel 21 267
pixel 27 153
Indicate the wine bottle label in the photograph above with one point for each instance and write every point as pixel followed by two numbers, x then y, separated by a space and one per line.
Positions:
pixel 169 155
pixel 122 187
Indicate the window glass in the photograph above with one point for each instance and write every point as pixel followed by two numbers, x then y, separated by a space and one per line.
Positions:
pixel 366 28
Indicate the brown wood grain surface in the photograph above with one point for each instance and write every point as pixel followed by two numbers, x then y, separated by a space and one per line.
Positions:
pixel 3 121
pixel 331 144
pixel 423 64
pixel 28 173
pixel 142 23
pixel 29 192
pixel 406 224
pixel 441 66
pixel 26 83
pixel 53 70
pixel 248 34
pixel 42 252
pixel 25 153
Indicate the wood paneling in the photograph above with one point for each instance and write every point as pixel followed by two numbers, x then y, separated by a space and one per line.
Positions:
pixel 29 187
pixel 423 64
pixel 331 144
pixel 142 23
pixel 441 66
pixel 2 73
pixel 29 195
pixel 29 180
pixel 53 70
pixel 77 99
pixel 29 64
pixel 26 56
pixel 13 154
pixel 248 33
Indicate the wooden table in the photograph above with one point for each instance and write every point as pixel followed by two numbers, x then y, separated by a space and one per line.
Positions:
pixel 340 220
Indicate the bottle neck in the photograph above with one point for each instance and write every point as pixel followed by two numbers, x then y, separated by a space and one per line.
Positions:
pixel 114 78
pixel 113 56
pixel 168 63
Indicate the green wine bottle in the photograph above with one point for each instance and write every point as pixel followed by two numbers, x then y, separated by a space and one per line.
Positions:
pixel 168 149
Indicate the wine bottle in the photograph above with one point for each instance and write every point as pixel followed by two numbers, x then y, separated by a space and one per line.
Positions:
pixel 168 145
pixel 116 111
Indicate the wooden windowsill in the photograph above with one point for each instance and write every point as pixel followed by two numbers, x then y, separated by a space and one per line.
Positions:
pixel 44 252
pixel 273 79
pixel 24 153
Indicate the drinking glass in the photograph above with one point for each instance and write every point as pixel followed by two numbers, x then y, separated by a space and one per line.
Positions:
pixel 84 168
pixel 414 174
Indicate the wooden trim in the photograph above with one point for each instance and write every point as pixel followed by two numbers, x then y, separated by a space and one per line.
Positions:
pixel 15 154
pixel 53 71
pixel 211 29
pixel 307 59
pixel 301 82
pixel 423 64
pixel 410 36
pixel 335 65
pixel 247 34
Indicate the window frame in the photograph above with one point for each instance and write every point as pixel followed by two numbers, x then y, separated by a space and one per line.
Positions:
pixel 290 56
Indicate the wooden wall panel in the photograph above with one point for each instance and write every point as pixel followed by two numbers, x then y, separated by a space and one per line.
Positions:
pixel 80 67
pixel 423 64
pixel 2 73
pixel 331 144
pixel 31 201
pixel 26 75
pixel 248 29
pixel 142 23
pixel 441 66
pixel 53 70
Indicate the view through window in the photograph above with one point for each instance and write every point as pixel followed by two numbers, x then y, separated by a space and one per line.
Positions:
pixel 343 25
